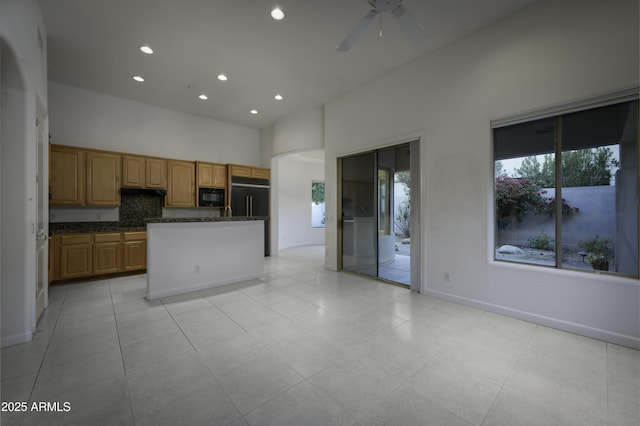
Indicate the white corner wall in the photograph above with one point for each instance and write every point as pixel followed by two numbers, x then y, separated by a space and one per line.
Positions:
pixel 89 119
pixel 294 201
pixel 23 84
pixel 549 53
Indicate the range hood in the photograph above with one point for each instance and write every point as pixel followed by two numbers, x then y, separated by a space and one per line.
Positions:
pixel 143 191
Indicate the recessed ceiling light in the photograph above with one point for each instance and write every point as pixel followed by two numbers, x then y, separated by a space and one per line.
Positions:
pixel 254 111
pixel 203 97
pixel 277 14
pixel 146 49
pixel 138 78
pixel 222 77
pixel 278 97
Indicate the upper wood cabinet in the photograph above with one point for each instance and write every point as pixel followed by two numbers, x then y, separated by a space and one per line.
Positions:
pixel 133 171
pixel 143 172
pixel 180 184
pixel 66 176
pixel 156 173
pixel 247 171
pixel 103 178
pixel 211 175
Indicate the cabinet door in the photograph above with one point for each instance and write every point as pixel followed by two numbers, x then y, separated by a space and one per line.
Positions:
pixel 205 174
pixel 103 179
pixel 66 176
pixel 107 253
pixel 260 173
pixel 156 173
pixel 135 250
pixel 236 170
pixel 76 256
pixel 106 258
pixel 135 255
pixel 133 172
pixel 219 176
pixel 181 180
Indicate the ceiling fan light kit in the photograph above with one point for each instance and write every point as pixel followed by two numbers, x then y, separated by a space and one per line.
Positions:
pixel 412 28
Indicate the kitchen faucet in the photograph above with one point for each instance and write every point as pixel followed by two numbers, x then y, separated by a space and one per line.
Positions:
pixel 227 208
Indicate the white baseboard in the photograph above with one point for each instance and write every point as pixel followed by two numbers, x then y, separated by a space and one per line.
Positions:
pixel 571 327
pixel 16 339
pixel 151 295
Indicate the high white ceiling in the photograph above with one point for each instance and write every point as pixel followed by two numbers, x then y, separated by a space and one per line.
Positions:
pixel 93 44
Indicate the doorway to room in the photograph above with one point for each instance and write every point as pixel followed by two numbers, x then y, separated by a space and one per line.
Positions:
pixel 377 221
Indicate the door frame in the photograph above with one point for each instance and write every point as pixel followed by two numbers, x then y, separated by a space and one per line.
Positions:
pixel 414 141
pixel 41 202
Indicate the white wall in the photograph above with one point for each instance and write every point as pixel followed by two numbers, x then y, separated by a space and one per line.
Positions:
pixel 550 53
pixel 303 131
pixel 93 120
pixel 23 85
pixel 295 175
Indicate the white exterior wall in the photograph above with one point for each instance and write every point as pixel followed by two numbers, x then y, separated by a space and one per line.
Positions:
pixel 549 53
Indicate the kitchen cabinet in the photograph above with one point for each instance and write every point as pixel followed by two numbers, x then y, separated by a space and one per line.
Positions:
pixel 133 171
pixel 54 258
pixel 103 178
pixel 250 172
pixel 156 173
pixel 135 251
pixel 180 184
pixel 76 256
pixel 143 172
pixel 107 253
pixel 211 175
pixel 92 254
pixel 66 176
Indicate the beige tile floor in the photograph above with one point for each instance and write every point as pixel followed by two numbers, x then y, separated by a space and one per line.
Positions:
pixel 307 346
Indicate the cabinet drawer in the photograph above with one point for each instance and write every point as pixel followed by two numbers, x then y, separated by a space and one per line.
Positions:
pixel 75 239
pixel 107 238
pixel 135 236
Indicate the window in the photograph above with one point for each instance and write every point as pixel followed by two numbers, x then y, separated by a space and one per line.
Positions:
pixel 566 190
pixel 317 204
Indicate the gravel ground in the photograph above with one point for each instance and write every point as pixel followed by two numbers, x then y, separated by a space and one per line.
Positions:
pixel 571 259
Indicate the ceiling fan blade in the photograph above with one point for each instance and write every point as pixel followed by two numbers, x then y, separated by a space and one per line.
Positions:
pixel 355 33
pixel 412 29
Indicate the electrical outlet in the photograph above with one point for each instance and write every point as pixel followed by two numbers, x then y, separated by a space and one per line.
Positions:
pixel 447 277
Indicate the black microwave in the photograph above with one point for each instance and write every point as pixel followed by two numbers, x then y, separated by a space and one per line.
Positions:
pixel 211 197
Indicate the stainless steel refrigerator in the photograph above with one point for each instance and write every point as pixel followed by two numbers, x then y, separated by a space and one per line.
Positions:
pixel 250 197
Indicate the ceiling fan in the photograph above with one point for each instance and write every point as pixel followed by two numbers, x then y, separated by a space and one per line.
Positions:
pixel 412 29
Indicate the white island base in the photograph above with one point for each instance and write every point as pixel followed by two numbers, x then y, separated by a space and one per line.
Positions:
pixel 189 256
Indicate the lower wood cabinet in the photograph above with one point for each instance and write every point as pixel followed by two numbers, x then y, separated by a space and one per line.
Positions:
pixel 107 253
pixel 76 256
pixel 135 250
pixel 86 255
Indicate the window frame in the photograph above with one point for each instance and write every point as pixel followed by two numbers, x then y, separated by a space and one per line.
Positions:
pixel 557 112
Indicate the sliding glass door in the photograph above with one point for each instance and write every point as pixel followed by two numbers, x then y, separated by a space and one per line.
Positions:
pixel 359 225
pixel 376 213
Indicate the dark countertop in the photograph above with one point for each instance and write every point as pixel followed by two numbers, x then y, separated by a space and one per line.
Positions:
pixel 205 219
pixel 91 227
pixel 95 227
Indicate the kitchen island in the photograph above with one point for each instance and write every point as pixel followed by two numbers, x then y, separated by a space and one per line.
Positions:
pixel 191 254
